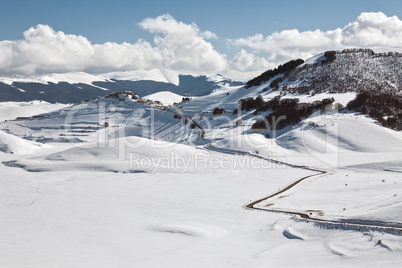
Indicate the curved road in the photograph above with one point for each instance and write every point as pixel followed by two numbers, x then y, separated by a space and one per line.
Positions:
pixel 349 224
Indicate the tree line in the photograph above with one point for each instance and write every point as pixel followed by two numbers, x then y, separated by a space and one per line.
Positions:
pixel 281 69
pixel 285 112
pixel 385 107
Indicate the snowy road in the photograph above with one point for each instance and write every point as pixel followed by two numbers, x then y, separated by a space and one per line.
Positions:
pixel 349 224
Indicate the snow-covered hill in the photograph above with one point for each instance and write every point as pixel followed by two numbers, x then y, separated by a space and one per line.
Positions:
pixel 349 70
pixel 71 78
pixel 165 97
pixel 16 145
pixel 157 75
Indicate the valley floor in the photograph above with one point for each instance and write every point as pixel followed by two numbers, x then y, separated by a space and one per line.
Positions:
pixel 103 218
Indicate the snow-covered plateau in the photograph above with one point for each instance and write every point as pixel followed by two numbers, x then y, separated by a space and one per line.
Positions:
pixel 124 180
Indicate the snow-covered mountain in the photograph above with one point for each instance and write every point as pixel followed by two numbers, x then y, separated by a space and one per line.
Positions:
pixel 74 87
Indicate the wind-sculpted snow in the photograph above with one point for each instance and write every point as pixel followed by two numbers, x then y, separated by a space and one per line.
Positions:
pixel 192 230
pixel 16 145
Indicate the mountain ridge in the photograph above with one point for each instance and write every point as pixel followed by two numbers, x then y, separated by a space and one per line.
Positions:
pixel 341 71
pixel 75 87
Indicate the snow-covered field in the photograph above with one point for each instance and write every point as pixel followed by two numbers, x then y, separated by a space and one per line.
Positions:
pixel 12 110
pixel 99 218
pixel 144 190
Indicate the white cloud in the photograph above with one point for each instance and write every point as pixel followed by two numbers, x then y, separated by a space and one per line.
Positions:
pixel 374 30
pixel 244 61
pixel 45 50
pixel 6 53
pixel 370 30
pixel 176 46
pixel 209 35
pixel 184 47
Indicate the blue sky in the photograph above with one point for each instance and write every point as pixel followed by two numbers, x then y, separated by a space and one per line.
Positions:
pixel 118 21
pixel 101 21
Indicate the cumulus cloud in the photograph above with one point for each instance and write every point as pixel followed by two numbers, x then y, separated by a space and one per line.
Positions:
pixel 177 45
pixel 184 47
pixel 374 30
pixel 370 30
pixel 244 61
pixel 44 49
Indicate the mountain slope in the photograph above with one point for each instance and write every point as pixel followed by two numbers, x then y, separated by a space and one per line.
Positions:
pixel 75 87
